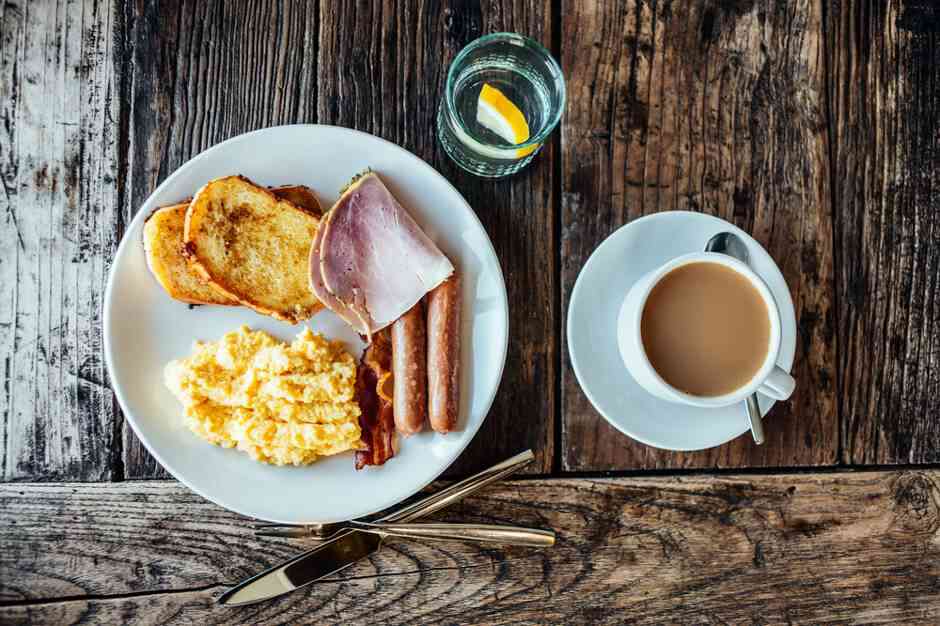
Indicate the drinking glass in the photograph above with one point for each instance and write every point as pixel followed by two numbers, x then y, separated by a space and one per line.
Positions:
pixel 527 75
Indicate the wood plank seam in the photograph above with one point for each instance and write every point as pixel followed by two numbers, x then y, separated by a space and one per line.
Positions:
pixel 557 165
pixel 124 90
pixel 836 236
pixel 797 470
pixel 112 596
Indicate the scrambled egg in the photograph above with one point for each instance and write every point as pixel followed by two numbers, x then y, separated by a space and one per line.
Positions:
pixel 282 404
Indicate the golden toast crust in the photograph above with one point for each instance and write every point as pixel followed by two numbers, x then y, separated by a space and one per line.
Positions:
pixel 163 244
pixel 252 246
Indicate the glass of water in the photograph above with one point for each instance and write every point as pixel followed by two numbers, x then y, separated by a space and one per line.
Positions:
pixel 504 96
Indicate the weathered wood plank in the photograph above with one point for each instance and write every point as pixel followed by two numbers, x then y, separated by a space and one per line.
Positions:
pixel 716 107
pixel 885 92
pixel 382 70
pixel 59 152
pixel 805 548
pixel 204 72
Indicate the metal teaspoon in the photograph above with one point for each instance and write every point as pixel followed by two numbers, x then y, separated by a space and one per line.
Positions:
pixel 731 244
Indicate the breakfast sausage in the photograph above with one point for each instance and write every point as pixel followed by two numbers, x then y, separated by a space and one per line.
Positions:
pixel 409 371
pixel 444 355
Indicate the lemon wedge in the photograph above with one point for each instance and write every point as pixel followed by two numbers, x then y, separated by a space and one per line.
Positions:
pixel 497 113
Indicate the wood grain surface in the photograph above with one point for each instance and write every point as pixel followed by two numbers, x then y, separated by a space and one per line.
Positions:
pixel 885 98
pixel 716 107
pixel 382 69
pixel 723 107
pixel 804 548
pixel 811 124
pixel 60 227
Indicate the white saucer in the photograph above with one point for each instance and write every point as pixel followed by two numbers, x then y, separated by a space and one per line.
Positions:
pixel 618 262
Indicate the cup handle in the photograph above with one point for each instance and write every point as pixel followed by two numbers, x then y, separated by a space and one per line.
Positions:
pixel 779 385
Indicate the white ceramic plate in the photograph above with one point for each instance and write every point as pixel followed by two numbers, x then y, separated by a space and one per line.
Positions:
pixel 618 262
pixel 144 329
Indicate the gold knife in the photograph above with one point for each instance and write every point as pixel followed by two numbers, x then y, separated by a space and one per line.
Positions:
pixel 339 553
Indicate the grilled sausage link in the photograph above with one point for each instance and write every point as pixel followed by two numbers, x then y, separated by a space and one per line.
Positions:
pixel 409 370
pixel 444 355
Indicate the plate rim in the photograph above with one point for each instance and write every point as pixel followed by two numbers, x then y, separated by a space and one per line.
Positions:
pixel 569 325
pixel 146 208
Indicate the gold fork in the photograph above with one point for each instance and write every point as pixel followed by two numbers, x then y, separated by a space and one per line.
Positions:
pixel 426 506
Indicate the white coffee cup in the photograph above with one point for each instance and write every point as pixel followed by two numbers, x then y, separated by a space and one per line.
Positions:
pixel 770 380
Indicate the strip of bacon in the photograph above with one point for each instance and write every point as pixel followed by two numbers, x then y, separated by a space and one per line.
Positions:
pixel 377 419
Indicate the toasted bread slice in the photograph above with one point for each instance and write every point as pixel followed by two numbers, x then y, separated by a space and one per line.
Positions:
pixel 252 246
pixel 163 245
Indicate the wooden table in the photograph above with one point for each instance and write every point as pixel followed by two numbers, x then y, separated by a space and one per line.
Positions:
pixel 811 124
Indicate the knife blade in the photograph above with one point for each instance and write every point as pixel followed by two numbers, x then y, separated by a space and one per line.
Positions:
pixel 339 553
pixel 311 566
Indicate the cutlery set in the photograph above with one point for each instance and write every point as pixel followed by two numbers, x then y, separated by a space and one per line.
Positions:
pixel 342 544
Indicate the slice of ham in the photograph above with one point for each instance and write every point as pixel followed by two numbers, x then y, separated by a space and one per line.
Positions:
pixel 323 294
pixel 371 262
